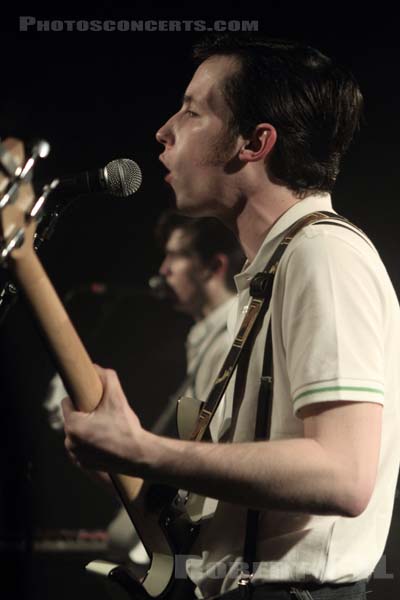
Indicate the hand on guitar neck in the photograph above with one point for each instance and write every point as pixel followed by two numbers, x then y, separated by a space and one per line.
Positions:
pixel 110 438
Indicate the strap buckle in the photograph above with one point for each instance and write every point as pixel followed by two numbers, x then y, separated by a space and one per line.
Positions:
pixel 245 580
pixel 245 586
pixel 259 285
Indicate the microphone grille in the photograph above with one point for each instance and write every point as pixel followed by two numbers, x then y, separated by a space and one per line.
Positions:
pixel 159 288
pixel 123 177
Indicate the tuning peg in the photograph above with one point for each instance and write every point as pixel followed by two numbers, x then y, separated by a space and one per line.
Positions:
pixel 35 212
pixel 40 148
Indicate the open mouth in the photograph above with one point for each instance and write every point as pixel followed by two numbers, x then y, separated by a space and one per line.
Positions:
pixel 168 176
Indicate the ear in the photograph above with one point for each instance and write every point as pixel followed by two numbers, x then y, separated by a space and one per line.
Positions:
pixel 260 144
pixel 219 264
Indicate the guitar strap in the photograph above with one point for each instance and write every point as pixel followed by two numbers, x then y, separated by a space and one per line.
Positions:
pixel 264 410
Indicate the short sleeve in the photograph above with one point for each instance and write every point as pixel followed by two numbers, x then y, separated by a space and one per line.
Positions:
pixel 333 321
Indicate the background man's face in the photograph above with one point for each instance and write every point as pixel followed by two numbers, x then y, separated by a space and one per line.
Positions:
pixel 185 273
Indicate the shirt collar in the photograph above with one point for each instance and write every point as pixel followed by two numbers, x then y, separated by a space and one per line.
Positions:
pixel 285 221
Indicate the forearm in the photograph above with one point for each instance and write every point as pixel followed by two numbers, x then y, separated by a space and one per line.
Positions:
pixel 297 474
pixel 331 470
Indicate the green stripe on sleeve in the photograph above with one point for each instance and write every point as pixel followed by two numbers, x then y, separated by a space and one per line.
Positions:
pixel 335 389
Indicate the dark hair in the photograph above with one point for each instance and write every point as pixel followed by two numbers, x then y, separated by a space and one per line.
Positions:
pixel 208 237
pixel 314 105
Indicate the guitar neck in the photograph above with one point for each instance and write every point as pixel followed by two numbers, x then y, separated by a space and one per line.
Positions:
pixel 19 212
pixel 74 364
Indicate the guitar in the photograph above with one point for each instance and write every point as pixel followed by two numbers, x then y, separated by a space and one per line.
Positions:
pixel 166 521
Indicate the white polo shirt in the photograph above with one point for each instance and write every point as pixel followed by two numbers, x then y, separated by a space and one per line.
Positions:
pixel 336 336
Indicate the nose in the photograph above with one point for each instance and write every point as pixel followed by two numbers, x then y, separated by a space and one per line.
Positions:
pixel 165 134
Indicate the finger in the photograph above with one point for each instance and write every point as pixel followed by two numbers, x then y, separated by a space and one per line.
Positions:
pixel 69 447
pixel 113 384
pixel 112 390
pixel 107 378
pixel 67 407
pixel 101 372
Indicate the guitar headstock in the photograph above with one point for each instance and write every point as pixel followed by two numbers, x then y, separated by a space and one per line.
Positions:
pixel 19 209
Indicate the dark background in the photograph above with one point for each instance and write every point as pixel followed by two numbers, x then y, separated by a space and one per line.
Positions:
pixel 100 96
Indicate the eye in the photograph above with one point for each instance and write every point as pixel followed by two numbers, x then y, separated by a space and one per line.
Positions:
pixel 190 113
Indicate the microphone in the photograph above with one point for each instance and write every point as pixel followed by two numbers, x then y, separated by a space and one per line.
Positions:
pixel 160 289
pixel 121 177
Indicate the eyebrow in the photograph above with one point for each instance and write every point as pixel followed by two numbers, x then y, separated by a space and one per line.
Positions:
pixel 186 99
pixel 180 252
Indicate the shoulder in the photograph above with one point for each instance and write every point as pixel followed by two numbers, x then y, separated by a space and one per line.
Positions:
pixel 330 246
pixel 324 263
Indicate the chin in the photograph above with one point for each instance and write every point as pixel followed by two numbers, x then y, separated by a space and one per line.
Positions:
pixel 183 309
pixel 195 208
pixel 185 207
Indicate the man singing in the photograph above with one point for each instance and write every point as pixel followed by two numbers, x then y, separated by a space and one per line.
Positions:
pixel 258 143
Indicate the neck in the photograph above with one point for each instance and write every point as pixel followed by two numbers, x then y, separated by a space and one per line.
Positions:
pixel 258 213
pixel 216 296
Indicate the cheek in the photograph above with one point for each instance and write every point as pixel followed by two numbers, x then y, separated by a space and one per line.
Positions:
pixel 188 276
pixel 182 275
pixel 201 146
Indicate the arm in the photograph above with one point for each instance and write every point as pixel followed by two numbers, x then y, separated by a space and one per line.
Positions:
pixel 331 471
pixel 314 474
pixel 329 333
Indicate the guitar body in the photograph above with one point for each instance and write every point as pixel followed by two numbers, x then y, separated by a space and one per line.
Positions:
pixel 178 516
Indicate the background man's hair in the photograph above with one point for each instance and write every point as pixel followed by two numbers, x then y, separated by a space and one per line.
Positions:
pixel 314 105
pixel 207 237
